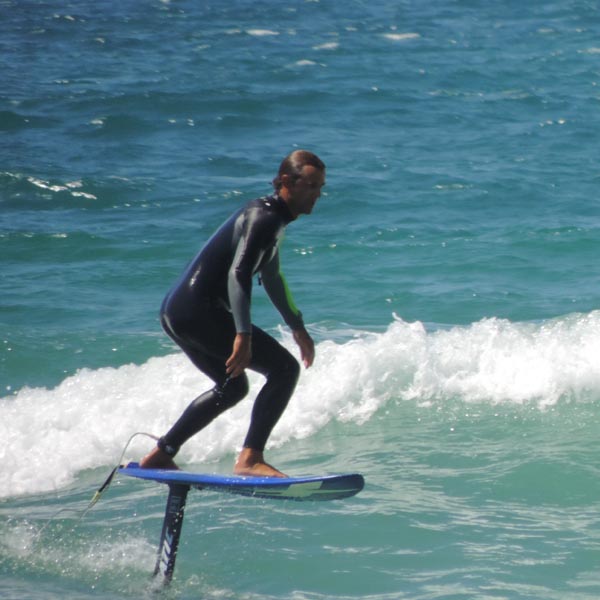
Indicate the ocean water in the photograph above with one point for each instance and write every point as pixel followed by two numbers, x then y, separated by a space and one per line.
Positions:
pixel 449 276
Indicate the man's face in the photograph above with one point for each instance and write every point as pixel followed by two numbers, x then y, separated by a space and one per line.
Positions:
pixel 305 191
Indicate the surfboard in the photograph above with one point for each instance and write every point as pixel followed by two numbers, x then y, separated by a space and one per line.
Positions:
pixel 328 487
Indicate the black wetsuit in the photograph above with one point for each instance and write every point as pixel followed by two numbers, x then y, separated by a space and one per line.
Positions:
pixel 210 303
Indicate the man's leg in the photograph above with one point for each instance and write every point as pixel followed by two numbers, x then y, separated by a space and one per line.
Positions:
pixel 207 343
pixel 281 370
pixel 195 417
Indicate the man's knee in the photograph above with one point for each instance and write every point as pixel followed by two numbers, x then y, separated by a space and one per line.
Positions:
pixel 287 371
pixel 294 369
pixel 234 389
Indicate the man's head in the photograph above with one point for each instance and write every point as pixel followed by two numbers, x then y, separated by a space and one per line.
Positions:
pixel 299 181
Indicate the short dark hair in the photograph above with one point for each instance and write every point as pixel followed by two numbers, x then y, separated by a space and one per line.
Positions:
pixel 293 164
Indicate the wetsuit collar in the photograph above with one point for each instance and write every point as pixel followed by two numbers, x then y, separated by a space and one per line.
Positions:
pixel 288 217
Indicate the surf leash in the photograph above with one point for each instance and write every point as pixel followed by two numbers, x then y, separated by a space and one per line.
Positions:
pixel 98 493
pixel 111 475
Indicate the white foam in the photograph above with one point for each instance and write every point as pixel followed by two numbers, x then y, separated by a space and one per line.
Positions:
pixel 49 436
pixel 327 46
pixel 62 188
pixel 400 37
pixel 498 361
pixel 261 32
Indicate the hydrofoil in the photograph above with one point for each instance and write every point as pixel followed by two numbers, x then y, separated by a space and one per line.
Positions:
pixel 311 488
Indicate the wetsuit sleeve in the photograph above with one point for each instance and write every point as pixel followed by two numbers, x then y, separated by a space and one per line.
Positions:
pixel 253 241
pixel 279 293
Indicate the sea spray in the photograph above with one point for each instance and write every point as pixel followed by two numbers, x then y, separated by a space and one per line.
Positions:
pixel 497 361
pixel 51 435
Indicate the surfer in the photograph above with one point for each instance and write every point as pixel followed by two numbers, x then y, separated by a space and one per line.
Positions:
pixel 207 313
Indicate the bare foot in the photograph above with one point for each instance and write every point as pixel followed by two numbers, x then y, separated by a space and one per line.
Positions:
pixel 252 463
pixel 157 459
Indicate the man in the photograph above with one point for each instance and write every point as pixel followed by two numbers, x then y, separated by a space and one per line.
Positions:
pixel 207 313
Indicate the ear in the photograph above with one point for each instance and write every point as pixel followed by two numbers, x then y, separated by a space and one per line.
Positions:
pixel 287 180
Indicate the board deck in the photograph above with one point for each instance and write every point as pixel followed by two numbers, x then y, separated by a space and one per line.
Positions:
pixel 328 487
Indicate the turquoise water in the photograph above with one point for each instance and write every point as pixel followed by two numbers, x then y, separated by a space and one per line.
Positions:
pixel 448 275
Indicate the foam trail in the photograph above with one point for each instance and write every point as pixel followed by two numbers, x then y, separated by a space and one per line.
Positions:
pixel 51 435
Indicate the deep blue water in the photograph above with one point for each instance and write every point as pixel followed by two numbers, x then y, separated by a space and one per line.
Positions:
pixel 449 276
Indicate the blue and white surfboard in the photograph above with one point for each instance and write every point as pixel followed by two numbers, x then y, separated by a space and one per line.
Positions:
pixel 328 487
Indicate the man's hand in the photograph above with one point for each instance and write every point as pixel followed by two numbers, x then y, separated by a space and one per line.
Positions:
pixel 306 345
pixel 240 356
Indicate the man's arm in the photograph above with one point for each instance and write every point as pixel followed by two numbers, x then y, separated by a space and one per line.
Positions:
pixel 281 297
pixel 241 355
pixel 276 287
pixel 306 345
pixel 248 254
